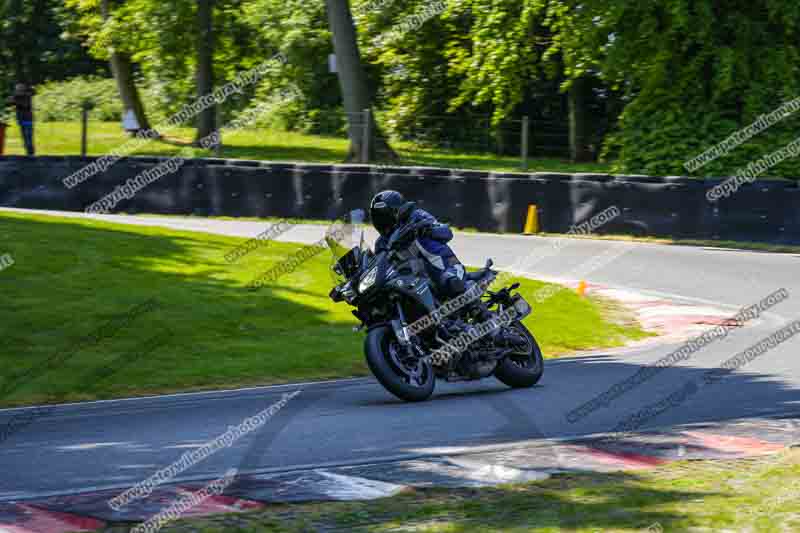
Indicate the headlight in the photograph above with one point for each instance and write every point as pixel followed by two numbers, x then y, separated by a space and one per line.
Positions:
pixel 368 279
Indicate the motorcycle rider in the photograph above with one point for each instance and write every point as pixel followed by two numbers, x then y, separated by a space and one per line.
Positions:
pixel 389 210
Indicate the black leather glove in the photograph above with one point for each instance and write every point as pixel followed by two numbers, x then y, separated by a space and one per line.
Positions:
pixel 397 237
pixel 405 212
pixel 381 245
pixel 402 235
pixel 425 231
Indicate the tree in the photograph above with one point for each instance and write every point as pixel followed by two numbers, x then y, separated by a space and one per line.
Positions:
pixel 37 45
pixel 693 72
pixel 182 49
pixel 299 29
pixel 462 62
pixel 207 120
pixel 354 84
pixel 579 126
pixel 122 70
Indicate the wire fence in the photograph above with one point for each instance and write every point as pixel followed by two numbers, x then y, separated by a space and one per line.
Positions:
pixel 322 137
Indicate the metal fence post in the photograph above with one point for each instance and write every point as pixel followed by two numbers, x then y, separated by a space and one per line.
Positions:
pixel 366 137
pixel 84 127
pixel 525 140
pixel 218 144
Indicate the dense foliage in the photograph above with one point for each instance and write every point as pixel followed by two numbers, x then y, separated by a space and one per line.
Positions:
pixel 63 101
pixel 37 45
pixel 694 72
pixel 667 79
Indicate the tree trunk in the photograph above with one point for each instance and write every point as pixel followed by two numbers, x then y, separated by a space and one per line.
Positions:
pixel 580 130
pixel 23 47
pixel 207 120
pixel 354 86
pixel 122 70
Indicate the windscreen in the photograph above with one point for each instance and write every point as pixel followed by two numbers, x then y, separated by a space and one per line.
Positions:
pixel 344 238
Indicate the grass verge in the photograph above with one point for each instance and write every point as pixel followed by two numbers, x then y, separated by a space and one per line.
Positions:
pixel 69 294
pixel 701 496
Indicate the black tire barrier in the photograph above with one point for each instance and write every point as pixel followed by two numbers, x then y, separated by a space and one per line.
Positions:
pixel 11 181
pixel 351 190
pixel 687 204
pixel 673 206
pixel 652 207
pixel 442 197
pixel 474 211
pixel 509 196
pixel 314 192
pixel 757 211
pixel 279 194
pixel 591 194
pixel 792 228
pixel 557 209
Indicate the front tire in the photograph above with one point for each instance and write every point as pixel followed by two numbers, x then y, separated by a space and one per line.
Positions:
pixel 383 353
pixel 522 368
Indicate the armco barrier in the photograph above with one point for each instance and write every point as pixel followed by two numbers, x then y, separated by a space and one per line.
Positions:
pixel 767 210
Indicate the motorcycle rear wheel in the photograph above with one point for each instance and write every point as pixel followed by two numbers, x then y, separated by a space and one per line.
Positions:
pixel 384 357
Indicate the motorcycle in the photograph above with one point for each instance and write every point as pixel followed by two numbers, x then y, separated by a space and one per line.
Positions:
pixel 413 337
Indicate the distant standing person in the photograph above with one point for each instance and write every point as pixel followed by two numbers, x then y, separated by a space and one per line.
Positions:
pixel 23 101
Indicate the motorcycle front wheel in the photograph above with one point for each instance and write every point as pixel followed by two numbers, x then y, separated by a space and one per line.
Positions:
pixel 408 379
pixel 525 365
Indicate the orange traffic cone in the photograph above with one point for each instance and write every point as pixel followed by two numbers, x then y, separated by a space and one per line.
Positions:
pixel 582 288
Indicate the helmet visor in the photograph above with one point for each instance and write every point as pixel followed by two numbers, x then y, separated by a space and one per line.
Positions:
pixel 383 220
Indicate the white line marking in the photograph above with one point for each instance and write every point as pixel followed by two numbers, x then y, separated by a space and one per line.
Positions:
pixel 344 381
pixel 344 487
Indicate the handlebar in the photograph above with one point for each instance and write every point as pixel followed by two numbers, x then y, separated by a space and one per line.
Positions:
pixel 402 233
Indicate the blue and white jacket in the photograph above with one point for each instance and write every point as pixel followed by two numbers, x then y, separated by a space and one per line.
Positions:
pixel 432 239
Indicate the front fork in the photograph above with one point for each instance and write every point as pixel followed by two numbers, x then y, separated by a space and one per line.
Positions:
pixel 401 332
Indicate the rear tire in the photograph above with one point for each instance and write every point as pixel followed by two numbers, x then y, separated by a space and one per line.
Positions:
pixel 411 385
pixel 524 368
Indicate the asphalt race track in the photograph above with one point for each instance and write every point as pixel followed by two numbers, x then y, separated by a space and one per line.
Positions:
pixel 115 444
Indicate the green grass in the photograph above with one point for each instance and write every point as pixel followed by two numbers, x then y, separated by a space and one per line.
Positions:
pixel 758 495
pixel 64 138
pixel 70 276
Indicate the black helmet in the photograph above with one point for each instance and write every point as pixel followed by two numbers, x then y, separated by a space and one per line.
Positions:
pixel 384 209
